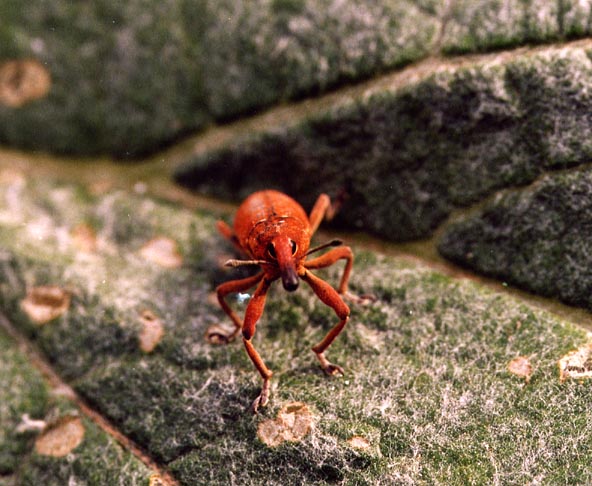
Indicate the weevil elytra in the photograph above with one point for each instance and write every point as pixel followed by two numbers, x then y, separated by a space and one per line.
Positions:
pixel 274 232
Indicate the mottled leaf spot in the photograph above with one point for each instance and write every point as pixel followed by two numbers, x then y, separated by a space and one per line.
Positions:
pixel 358 442
pixel 155 480
pixel 10 176
pixel 217 334
pixel 292 424
pixel 521 367
pixel 100 186
pixel 23 81
pixel 222 258
pixel 84 238
pixel 151 333
pixel 163 251
pixel 45 303
pixel 370 337
pixel 61 438
pixel 212 298
pixel 30 425
pixel 576 364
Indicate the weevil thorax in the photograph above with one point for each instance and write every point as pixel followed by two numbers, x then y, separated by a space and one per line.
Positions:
pixel 273 227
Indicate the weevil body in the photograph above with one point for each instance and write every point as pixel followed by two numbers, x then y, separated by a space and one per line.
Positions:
pixel 274 232
pixel 271 226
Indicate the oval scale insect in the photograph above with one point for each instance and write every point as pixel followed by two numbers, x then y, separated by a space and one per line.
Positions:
pixel 274 232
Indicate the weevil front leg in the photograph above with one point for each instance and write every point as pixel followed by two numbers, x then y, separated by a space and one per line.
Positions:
pixel 330 297
pixel 328 259
pixel 252 315
pixel 217 335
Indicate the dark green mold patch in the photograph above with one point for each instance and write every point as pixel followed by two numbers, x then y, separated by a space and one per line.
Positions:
pixel 25 398
pixel 403 159
pixel 452 401
pixel 82 340
pixel 22 391
pixel 483 25
pixel 426 396
pixel 98 460
pixel 175 410
pixel 157 72
pixel 537 238
pixel 289 464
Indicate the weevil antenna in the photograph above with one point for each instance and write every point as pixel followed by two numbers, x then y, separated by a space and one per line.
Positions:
pixel 242 263
pixel 324 245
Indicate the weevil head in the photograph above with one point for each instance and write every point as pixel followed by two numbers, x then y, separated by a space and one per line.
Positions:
pixel 283 242
pixel 284 250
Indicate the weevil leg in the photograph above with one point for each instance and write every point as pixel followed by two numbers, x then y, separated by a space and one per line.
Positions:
pixel 330 297
pixel 264 371
pixel 224 229
pixel 215 334
pixel 226 232
pixel 321 209
pixel 252 315
pixel 332 256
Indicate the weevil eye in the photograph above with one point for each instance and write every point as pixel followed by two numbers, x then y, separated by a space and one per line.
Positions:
pixel 294 247
pixel 271 251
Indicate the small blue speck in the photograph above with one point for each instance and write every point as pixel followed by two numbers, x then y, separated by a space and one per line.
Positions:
pixel 242 298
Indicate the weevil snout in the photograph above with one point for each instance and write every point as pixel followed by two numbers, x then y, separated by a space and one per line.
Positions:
pixel 290 280
pixel 283 249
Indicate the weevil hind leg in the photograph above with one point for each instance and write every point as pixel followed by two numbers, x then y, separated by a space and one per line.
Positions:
pixel 227 232
pixel 322 209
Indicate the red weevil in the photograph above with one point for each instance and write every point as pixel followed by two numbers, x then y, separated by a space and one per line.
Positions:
pixel 274 232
